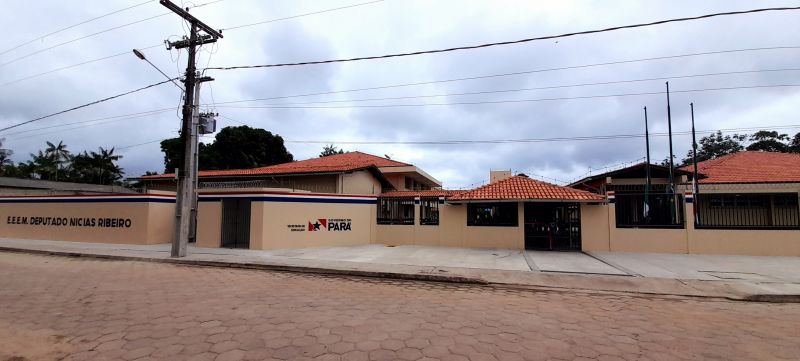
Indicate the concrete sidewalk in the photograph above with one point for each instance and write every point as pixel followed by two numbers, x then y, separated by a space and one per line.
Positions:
pixel 616 273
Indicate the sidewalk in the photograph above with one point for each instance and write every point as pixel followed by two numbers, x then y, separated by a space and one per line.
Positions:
pixel 577 272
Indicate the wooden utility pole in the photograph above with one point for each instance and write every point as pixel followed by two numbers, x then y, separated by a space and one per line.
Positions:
pixel 188 167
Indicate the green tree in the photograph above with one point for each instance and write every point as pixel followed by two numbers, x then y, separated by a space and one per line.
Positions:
pixel 769 141
pixel 5 158
pixel 716 145
pixel 104 164
pixel 233 148
pixel 794 146
pixel 330 150
pixel 59 156
pixel 42 166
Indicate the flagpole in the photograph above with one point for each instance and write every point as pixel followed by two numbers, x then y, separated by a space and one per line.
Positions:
pixel 674 207
pixel 695 183
pixel 647 166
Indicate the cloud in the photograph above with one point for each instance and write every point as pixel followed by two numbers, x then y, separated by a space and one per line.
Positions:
pixel 399 26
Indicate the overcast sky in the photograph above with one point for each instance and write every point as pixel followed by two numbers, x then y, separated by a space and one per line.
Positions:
pixel 393 26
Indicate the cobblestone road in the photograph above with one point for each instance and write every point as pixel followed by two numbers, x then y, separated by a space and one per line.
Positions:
pixel 77 309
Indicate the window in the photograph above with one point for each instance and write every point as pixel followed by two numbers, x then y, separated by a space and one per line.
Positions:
pixel 395 210
pixel 748 211
pixel 492 214
pixel 661 210
pixel 429 211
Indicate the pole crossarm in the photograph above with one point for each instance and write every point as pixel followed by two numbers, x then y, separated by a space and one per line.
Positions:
pixel 190 18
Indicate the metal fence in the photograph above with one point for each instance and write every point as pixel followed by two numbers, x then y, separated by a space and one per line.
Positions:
pixel 395 210
pixel 649 210
pixel 748 211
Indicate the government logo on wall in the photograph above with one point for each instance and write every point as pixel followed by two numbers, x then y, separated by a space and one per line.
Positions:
pixel 330 225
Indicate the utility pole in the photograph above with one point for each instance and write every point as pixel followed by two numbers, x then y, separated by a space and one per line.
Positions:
pixel 186 174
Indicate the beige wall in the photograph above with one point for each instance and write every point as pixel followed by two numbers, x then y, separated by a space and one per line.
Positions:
pixel 594 228
pixel 209 224
pixel 360 182
pixel 597 221
pixel 150 222
pixel 277 216
pixel 272 221
pixel 742 242
pixel 453 231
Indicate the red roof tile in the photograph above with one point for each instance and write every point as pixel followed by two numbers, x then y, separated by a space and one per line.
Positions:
pixel 427 193
pixel 750 167
pixel 523 188
pixel 346 162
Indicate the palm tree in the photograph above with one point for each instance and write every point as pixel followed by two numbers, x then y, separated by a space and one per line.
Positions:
pixel 42 166
pixel 5 155
pixel 59 155
pixel 104 166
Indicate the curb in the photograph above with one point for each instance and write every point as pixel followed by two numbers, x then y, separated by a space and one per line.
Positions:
pixel 261 266
pixel 762 298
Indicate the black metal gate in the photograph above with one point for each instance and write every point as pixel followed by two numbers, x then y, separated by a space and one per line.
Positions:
pixel 235 223
pixel 553 226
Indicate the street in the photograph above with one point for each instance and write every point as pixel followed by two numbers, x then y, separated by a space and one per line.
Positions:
pixel 81 309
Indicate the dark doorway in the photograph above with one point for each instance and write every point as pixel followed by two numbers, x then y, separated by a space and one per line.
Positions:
pixel 235 223
pixel 553 226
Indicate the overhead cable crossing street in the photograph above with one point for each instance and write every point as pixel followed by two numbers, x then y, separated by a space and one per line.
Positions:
pixel 520 41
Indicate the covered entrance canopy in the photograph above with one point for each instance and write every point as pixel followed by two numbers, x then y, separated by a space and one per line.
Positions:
pixel 550 213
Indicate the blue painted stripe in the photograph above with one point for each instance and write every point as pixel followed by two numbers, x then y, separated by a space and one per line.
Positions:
pixel 612 200
pixel 85 200
pixel 292 200
pixel 689 199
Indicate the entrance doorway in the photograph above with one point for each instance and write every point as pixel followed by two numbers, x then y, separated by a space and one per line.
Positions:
pixel 553 226
pixel 235 223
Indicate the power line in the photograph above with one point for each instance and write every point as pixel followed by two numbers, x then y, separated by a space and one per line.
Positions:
pixel 538 88
pixel 93 34
pixel 127 52
pixel 77 39
pixel 96 121
pixel 301 15
pixel 124 53
pixel 86 105
pixel 537 140
pixel 615 28
pixel 512 101
pixel 581 66
pixel 140 144
pixel 74 25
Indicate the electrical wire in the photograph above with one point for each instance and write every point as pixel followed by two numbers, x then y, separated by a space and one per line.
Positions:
pixel 539 140
pixel 28 55
pixel 124 116
pixel 301 15
pixel 124 53
pixel 73 25
pixel 538 88
pixel 86 105
pixel 581 66
pixel 547 37
pixel 96 123
pixel 511 101
pixel 92 35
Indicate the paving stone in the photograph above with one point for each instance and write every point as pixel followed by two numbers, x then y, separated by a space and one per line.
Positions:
pixel 147 311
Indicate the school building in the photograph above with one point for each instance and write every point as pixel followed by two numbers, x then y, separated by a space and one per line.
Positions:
pixel 747 204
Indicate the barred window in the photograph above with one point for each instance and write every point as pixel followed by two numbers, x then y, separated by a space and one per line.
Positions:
pixel 492 214
pixel 395 210
pixel 748 210
pixel 652 210
pixel 429 211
